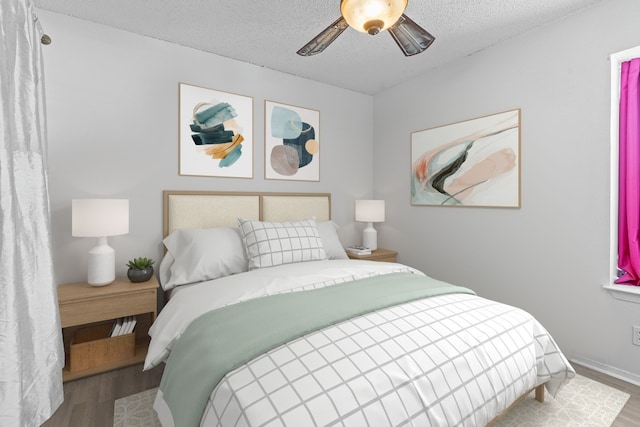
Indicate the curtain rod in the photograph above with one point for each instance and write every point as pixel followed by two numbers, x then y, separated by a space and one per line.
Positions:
pixel 45 39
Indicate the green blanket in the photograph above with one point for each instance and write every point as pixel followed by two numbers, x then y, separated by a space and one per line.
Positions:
pixel 224 339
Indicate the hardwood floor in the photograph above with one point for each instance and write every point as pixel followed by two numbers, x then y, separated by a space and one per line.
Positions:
pixel 89 401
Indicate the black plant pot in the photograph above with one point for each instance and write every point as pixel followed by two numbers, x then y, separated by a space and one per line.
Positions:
pixel 137 276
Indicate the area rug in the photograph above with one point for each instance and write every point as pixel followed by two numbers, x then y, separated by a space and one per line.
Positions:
pixel 581 403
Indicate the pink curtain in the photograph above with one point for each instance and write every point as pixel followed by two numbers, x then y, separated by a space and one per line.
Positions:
pixel 629 175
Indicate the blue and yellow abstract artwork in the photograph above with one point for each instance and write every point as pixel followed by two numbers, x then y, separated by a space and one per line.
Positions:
pixel 216 133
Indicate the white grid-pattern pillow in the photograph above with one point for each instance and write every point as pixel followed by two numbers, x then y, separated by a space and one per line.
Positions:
pixel 274 243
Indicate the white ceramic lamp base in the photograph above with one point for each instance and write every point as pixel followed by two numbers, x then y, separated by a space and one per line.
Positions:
pixel 370 237
pixel 102 264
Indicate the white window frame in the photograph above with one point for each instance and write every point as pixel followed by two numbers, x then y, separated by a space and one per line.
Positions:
pixel 621 292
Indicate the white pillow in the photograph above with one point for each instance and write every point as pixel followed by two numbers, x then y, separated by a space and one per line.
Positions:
pixel 203 254
pixel 328 231
pixel 164 271
pixel 274 243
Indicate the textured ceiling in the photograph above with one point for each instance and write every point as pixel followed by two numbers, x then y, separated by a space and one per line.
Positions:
pixel 269 32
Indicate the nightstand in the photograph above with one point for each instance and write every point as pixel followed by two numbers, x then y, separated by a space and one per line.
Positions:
pixel 84 305
pixel 379 254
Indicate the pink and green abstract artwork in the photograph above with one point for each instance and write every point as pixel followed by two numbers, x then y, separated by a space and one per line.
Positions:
pixel 470 163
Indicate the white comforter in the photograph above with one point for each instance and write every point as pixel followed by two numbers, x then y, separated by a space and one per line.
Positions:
pixel 449 360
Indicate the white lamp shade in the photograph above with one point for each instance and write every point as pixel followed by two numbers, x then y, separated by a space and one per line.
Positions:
pixel 363 14
pixel 370 210
pixel 99 217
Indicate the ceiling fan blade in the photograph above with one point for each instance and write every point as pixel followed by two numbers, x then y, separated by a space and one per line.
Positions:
pixel 410 37
pixel 324 39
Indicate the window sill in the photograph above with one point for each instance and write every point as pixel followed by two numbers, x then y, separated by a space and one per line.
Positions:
pixel 624 292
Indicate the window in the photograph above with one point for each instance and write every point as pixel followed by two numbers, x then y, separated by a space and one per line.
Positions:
pixel 624 292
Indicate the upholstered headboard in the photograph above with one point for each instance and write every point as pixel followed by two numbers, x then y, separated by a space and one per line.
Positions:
pixel 207 209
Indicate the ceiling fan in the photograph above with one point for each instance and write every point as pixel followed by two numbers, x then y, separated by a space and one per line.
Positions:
pixel 373 16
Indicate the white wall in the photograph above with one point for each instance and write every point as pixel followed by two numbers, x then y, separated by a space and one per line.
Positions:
pixel 112 100
pixel 551 256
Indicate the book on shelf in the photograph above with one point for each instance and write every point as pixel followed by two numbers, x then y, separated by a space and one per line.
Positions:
pixel 131 323
pixel 113 328
pixel 123 326
pixel 117 327
pixel 126 324
pixel 359 250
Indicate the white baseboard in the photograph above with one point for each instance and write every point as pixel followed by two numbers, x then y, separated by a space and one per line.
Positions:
pixel 620 374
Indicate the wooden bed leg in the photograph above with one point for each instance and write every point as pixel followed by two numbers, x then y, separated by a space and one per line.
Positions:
pixel 539 397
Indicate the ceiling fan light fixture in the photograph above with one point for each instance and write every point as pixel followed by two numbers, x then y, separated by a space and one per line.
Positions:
pixel 372 16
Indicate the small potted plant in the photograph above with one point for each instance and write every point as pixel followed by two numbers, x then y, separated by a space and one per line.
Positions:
pixel 140 269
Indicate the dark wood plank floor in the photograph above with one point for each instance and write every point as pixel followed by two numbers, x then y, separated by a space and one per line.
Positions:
pixel 89 401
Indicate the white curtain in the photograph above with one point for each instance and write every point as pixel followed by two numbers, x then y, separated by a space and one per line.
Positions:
pixel 31 352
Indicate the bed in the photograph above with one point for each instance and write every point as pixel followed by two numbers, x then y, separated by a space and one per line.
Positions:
pixel 269 323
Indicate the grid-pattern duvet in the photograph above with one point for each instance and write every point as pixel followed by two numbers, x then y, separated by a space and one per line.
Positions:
pixel 442 361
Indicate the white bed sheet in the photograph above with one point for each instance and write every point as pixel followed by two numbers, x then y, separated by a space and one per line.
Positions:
pixel 449 360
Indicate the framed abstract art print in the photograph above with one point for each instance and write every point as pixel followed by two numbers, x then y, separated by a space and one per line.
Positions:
pixel 292 142
pixel 470 163
pixel 215 133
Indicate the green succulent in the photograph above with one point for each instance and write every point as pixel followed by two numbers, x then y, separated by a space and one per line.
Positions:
pixel 140 263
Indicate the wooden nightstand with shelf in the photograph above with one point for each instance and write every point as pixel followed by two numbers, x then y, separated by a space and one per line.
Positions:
pixel 83 305
pixel 379 254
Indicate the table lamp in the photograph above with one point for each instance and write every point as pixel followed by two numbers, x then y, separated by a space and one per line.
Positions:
pixel 100 218
pixel 370 211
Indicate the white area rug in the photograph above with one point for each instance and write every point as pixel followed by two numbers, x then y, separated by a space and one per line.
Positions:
pixel 581 403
